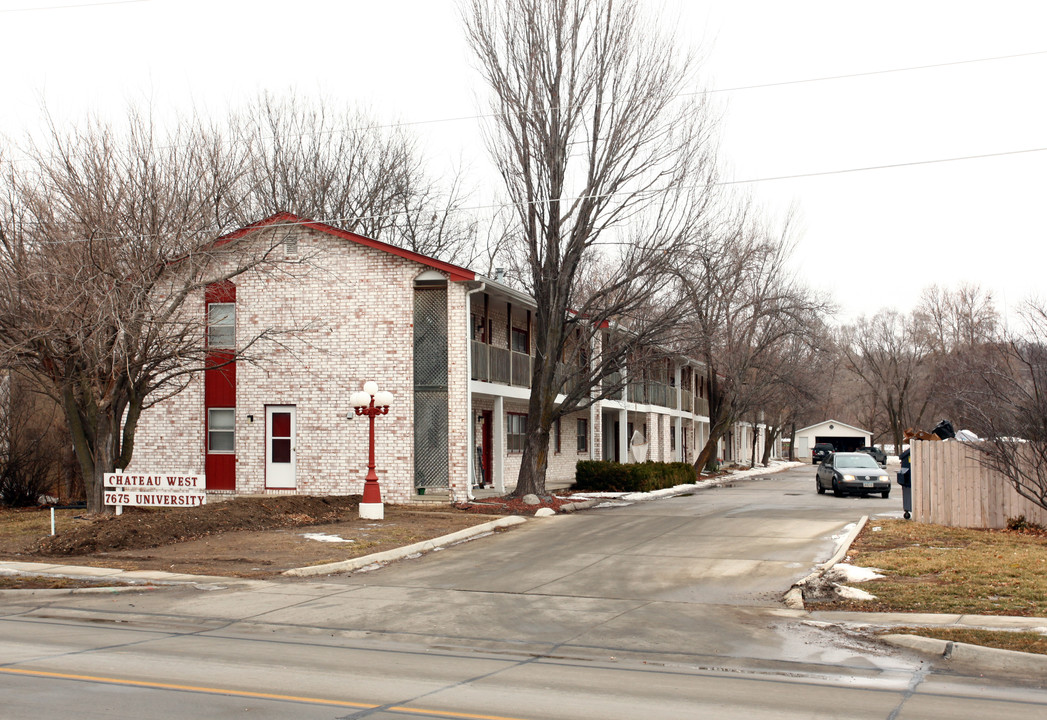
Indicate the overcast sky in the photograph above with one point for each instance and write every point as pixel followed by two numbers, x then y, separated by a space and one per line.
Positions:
pixel 874 238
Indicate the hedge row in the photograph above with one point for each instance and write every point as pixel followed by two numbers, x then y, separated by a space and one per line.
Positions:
pixel 608 476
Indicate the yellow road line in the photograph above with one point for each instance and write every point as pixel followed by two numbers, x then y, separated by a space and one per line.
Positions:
pixel 247 694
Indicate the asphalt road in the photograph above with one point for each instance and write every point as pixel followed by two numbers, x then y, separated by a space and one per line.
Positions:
pixel 665 609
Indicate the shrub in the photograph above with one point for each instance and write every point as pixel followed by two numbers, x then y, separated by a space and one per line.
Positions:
pixel 609 476
pixel 24 477
pixel 1020 524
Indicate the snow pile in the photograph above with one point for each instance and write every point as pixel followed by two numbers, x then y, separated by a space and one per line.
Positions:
pixel 322 537
pixel 850 593
pixel 846 573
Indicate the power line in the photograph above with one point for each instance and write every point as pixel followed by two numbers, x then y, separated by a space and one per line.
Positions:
pixel 872 72
pixel 883 167
pixel 71 7
pixel 485 116
pixel 502 206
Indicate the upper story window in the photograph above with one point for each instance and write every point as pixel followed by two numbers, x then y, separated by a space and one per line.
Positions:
pixel 521 341
pixel 221 326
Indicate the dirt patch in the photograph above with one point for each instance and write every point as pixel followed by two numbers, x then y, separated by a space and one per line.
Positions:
pixel 512 506
pixel 243 537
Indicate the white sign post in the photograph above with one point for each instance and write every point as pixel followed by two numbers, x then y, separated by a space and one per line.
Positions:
pixel 154 489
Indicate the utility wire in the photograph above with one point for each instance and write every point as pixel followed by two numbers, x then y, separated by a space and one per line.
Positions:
pixel 655 191
pixel 71 7
pixel 871 72
pixel 487 116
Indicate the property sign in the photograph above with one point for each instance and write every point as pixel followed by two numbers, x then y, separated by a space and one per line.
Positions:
pixel 155 489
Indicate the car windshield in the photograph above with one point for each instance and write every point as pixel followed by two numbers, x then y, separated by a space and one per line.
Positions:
pixel 855 461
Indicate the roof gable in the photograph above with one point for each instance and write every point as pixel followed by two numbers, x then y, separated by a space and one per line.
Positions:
pixel 837 423
pixel 454 272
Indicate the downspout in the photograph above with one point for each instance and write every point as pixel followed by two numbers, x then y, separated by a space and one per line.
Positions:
pixel 470 435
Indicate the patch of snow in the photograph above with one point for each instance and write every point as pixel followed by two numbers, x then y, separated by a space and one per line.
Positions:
pixel 612 503
pixel 850 593
pixel 323 537
pixel 843 572
pixel 843 532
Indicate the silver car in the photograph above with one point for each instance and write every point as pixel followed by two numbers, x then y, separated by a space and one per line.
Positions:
pixel 854 473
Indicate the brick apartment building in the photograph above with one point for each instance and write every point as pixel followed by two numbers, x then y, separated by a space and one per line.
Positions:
pixel 452 346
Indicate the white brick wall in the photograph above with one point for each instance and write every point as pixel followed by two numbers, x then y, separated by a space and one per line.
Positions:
pixel 351 311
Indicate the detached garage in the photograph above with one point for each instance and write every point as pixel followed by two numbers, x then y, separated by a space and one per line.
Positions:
pixel 843 437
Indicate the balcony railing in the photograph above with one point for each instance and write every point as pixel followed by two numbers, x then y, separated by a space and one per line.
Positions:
pixel 504 367
pixel 611 381
pixel 521 369
pixel 500 365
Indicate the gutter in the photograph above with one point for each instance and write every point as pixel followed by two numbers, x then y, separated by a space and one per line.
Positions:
pixel 470 450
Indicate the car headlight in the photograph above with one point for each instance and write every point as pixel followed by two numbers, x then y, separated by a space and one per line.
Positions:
pixel 849 478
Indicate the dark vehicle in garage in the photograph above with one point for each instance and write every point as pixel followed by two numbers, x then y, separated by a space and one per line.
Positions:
pixel 821 451
pixel 877 454
pixel 852 473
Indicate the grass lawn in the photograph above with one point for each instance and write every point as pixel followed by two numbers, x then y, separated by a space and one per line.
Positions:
pixel 937 569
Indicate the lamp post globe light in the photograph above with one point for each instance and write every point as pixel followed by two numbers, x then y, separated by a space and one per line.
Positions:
pixel 371 402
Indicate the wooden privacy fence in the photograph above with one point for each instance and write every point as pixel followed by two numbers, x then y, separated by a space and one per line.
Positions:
pixel 950 487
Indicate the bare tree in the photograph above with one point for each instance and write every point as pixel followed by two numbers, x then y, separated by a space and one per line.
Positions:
pixel 888 352
pixel 964 331
pixel 746 306
pixel 346 169
pixel 609 171
pixel 106 247
pixel 1009 402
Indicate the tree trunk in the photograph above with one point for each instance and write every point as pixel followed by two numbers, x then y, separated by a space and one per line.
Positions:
pixel 708 453
pixel 770 434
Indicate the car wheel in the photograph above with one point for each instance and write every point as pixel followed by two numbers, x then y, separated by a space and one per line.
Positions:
pixel 836 489
pixel 818 484
pixel 885 494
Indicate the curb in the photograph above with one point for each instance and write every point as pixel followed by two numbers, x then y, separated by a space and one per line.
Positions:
pixel 1010 661
pixel 400 553
pixel 794 597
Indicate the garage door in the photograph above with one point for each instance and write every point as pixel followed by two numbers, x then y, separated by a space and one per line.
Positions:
pixel 842 443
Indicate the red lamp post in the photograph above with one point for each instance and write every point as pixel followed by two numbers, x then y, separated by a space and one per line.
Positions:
pixel 371 402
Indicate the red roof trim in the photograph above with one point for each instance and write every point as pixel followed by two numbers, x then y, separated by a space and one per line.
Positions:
pixel 456 273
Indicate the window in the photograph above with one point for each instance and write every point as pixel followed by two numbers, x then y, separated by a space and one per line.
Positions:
pixel 221 325
pixel 672 438
pixel 556 436
pixel 291 245
pixel 521 341
pixel 220 425
pixel 515 432
pixel 583 435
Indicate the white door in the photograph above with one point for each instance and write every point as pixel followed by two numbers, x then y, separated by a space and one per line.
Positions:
pixel 280 446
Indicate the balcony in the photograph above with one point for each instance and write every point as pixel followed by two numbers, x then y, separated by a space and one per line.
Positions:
pixel 611 381
pixel 500 365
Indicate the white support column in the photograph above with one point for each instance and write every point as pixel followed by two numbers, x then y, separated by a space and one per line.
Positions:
pixel 677 419
pixel 623 436
pixel 498 444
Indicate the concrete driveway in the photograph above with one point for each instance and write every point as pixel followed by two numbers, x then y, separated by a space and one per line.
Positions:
pixel 742 544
